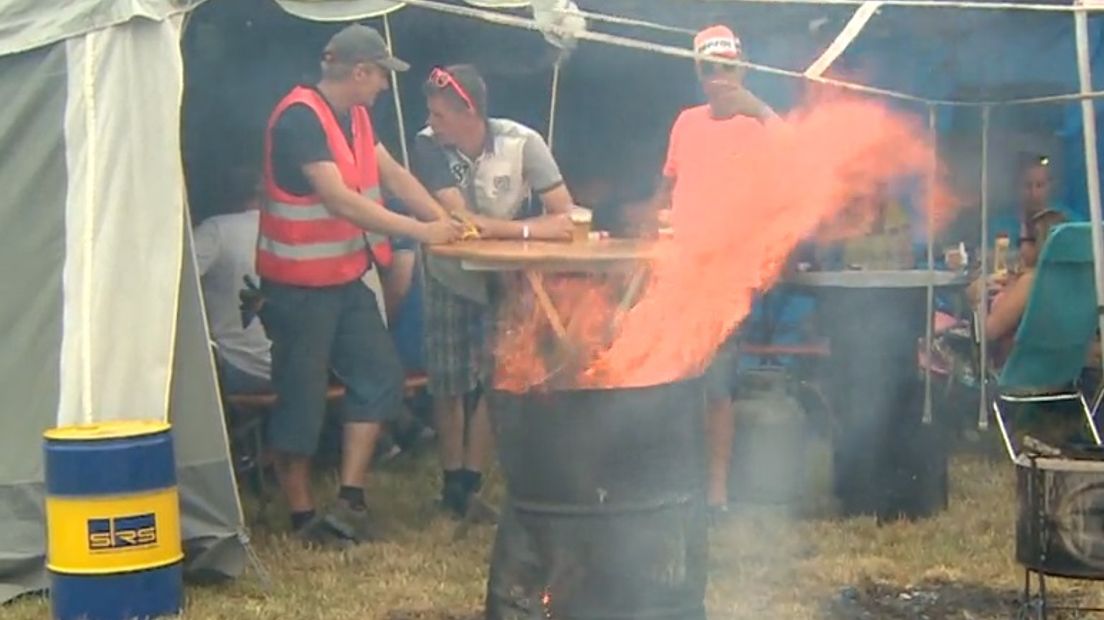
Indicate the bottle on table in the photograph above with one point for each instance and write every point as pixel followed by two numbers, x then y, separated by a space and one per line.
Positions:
pixel 1000 255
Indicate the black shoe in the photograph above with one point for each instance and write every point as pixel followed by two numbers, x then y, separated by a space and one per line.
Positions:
pixel 454 500
pixel 355 524
pixel 319 534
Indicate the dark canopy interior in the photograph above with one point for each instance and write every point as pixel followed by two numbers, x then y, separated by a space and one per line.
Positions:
pixel 615 105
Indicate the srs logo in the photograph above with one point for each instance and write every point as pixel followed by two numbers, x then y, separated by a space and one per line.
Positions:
pixel 117 533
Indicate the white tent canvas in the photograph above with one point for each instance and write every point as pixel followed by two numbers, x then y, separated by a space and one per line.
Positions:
pixel 101 311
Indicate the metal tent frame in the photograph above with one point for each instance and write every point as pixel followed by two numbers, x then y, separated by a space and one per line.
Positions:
pixel 346 10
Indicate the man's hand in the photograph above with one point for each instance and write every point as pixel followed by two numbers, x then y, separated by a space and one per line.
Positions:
pixel 739 100
pixel 439 232
pixel 482 222
pixel 551 227
pixel 997 282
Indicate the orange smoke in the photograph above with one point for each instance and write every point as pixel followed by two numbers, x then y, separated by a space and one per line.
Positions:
pixel 733 236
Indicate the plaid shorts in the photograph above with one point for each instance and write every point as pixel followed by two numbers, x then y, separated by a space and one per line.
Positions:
pixel 457 347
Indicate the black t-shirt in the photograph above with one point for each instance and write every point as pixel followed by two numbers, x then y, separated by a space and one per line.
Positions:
pixel 298 139
pixel 431 165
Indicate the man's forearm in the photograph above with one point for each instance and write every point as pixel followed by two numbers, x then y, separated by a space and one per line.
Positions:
pixel 371 215
pixel 510 229
pixel 416 198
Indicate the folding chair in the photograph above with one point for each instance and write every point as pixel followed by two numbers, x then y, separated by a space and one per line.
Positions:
pixel 1054 335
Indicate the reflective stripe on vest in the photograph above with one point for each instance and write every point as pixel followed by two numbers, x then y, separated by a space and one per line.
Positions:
pixel 380 244
pixel 311 251
pixel 317 211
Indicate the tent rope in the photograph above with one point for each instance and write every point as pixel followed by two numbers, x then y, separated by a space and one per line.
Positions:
pixel 396 95
pixel 255 560
pixel 552 103
pixel 941 4
pixel 625 21
pixel 668 50
pixel 88 84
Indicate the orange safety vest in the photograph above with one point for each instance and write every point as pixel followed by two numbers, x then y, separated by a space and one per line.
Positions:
pixel 300 242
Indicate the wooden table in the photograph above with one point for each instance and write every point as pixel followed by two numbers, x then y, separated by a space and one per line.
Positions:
pixel 549 256
pixel 536 258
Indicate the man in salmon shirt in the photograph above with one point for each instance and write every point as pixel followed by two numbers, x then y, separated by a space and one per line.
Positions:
pixel 699 136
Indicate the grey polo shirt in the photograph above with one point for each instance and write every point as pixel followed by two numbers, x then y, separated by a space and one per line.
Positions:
pixel 515 162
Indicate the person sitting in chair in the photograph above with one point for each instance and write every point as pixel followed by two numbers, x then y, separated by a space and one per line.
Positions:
pixel 224 248
pixel 1011 295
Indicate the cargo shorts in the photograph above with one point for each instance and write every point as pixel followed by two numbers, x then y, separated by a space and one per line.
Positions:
pixel 318 330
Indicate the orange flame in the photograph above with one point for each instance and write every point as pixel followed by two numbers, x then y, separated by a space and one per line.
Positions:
pixel 733 235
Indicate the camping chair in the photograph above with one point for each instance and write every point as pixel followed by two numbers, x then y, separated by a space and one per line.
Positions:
pixel 1055 333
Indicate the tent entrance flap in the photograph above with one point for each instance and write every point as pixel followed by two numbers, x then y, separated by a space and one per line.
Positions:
pixel 106 281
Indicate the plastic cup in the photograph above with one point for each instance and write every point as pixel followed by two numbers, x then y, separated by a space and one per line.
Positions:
pixel 580 219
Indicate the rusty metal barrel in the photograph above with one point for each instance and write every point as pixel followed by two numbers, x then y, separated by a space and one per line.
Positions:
pixel 605 515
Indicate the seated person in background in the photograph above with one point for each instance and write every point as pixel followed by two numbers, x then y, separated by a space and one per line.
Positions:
pixel 400 283
pixel 225 246
pixel 872 232
pixel 1035 183
pixel 397 278
pixel 887 245
pixel 1011 294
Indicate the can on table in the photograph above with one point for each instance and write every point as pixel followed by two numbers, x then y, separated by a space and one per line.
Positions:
pixel 114 547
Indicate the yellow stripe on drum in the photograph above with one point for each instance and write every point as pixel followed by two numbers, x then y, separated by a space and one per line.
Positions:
pixel 107 535
pixel 118 429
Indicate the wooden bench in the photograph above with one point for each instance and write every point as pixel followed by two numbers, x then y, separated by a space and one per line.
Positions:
pixel 245 413
pixel 253 402
pixel 810 349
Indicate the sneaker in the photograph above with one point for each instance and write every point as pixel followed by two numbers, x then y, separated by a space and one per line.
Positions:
pixel 454 500
pixel 318 534
pixel 353 523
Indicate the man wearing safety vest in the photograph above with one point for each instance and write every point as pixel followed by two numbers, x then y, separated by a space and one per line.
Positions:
pixel 321 228
pixel 699 135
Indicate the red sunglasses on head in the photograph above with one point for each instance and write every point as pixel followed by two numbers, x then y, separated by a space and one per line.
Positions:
pixel 443 79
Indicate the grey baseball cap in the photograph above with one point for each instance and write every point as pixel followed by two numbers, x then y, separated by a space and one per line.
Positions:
pixel 359 43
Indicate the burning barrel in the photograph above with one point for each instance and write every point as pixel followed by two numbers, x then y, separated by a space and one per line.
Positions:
pixel 605 512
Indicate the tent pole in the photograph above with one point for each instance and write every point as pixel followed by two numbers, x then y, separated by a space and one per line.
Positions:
pixel 929 317
pixel 1092 170
pixel 982 309
pixel 395 93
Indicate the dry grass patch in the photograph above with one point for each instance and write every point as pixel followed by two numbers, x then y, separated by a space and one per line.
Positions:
pixel 765 563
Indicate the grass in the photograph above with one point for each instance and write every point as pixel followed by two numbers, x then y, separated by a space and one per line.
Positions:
pixel 765 562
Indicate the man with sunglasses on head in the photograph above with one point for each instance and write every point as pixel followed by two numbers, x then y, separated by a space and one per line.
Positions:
pixel 322 227
pixel 698 136
pixel 483 170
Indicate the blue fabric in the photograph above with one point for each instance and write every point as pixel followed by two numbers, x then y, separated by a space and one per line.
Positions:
pixel 1008 223
pixel 1058 324
pixel 396 206
pixel 1000 55
pixel 407 329
pixel 940 54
